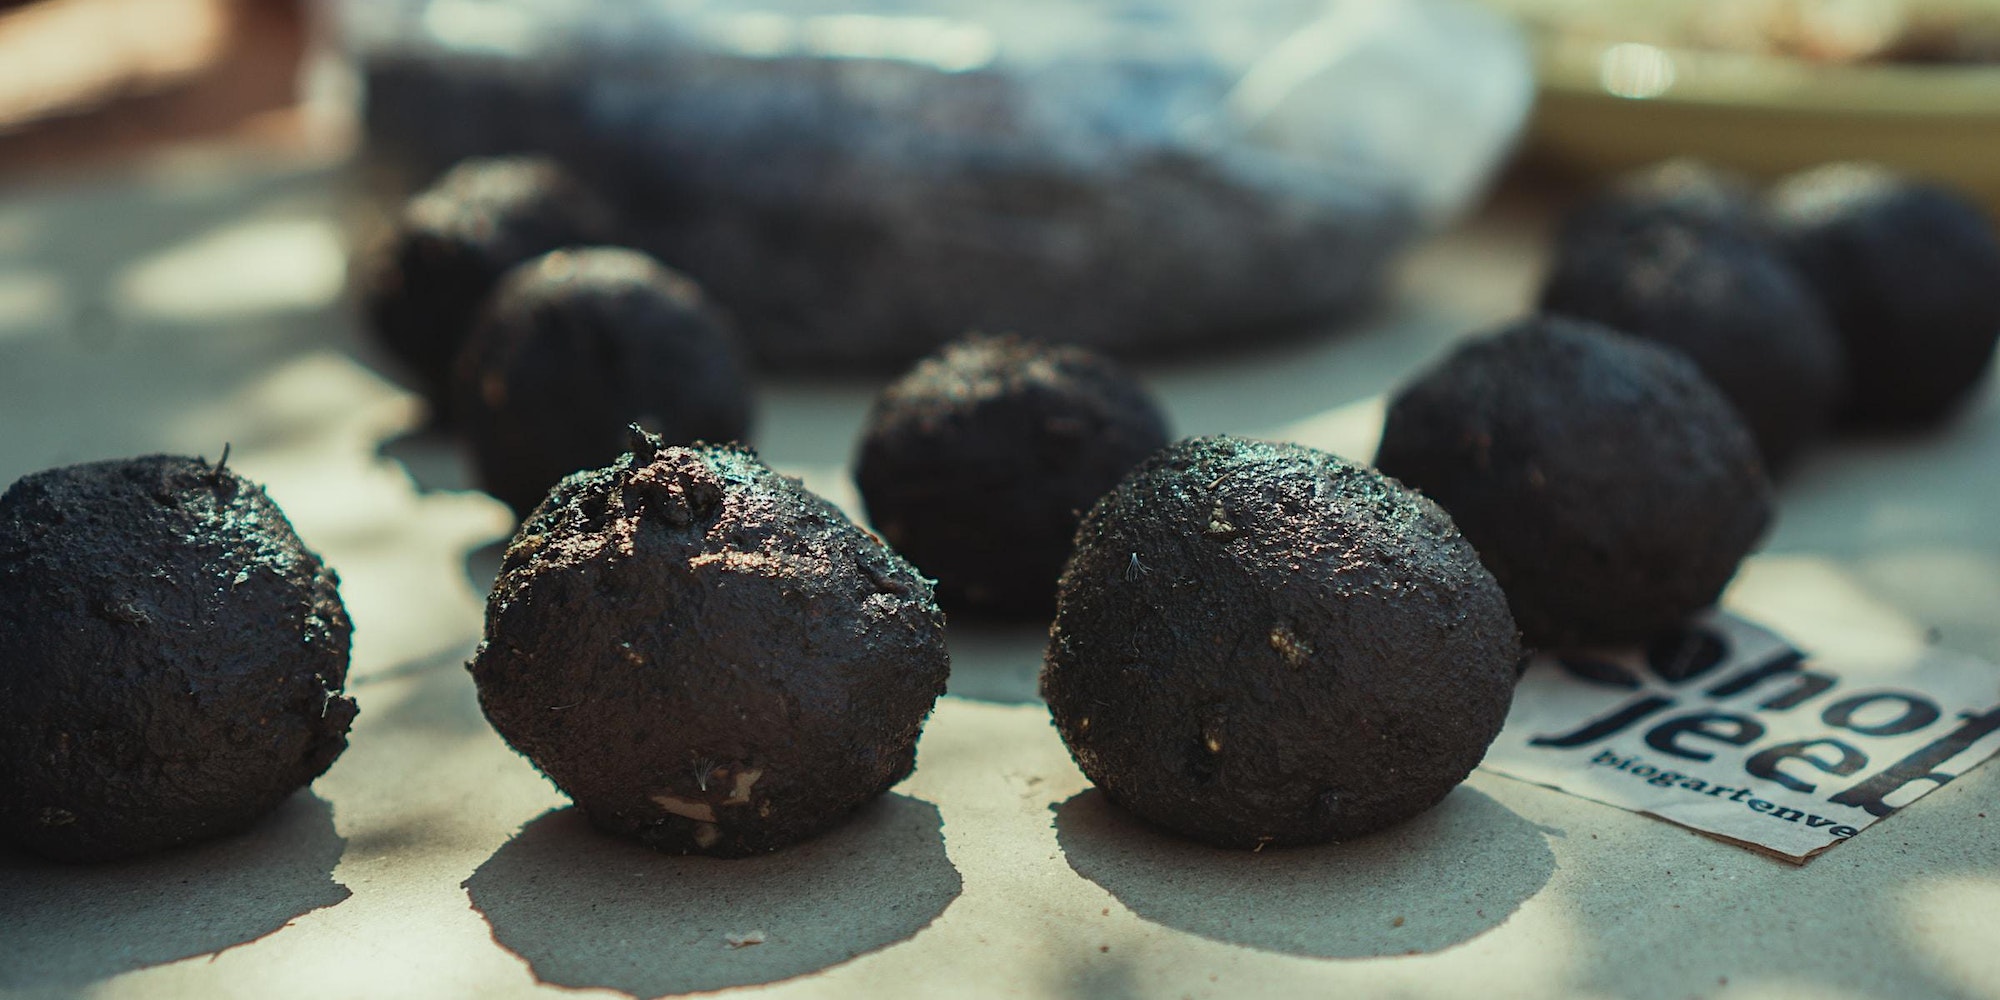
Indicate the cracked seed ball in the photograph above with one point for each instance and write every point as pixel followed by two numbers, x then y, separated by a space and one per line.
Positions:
pixel 1910 273
pixel 706 657
pixel 422 287
pixel 977 464
pixel 1727 301
pixel 1610 488
pixel 1265 644
pixel 575 346
pixel 171 658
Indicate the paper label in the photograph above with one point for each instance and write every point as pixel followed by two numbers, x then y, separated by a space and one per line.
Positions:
pixel 1729 729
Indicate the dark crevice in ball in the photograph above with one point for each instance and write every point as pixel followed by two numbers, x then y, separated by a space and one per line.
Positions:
pixel 171 658
pixel 977 464
pixel 1265 644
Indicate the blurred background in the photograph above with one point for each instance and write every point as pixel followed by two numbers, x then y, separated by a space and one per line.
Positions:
pixel 94 82
pixel 1765 86
pixel 184 183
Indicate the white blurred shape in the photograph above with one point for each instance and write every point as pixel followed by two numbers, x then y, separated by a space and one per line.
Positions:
pixel 1635 71
pixel 1818 603
pixel 1955 923
pixel 1350 431
pixel 948 45
pixel 1424 93
pixel 471 24
pixel 30 300
pixel 261 266
pixel 758 34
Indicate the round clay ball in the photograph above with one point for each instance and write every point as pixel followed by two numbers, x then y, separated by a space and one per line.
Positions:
pixel 575 346
pixel 1910 273
pixel 171 658
pixel 706 657
pixel 421 288
pixel 1265 644
pixel 977 464
pixel 1607 484
pixel 1728 301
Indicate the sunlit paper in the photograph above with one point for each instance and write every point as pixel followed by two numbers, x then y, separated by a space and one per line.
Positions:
pixel 1730 730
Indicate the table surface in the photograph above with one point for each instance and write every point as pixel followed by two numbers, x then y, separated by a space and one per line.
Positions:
pixel 197 302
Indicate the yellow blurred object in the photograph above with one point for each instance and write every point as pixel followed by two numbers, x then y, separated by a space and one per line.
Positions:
pixel 1610 103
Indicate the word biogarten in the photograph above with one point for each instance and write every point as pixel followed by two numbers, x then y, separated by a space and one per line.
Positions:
pixel 1669 779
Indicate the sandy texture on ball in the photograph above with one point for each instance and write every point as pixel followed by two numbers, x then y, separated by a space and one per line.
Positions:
pixel 705 656
pixel 978 463
pixel 171 658
pixel 1265 644
pixel 1607 484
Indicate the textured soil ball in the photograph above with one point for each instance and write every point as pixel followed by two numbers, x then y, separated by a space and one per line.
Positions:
pixel 421 289
pixel 1728 301
pixel 1265 644
pixel 1682 191
pixel 978 463
pixel 1910 273
pixel 171 658
pixel 1610 488
pixel 577 345
pixel 705 656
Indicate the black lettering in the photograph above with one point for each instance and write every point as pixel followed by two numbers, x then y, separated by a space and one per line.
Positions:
pixel 1695 785
pixel 1760 805
pixel 1811 685
pixel 1785 663
pixel 1722 727
pixel 1843 831
pixel 1816 821
pixel 1600 728
pixel 1645 771
pixel 1918 712
pixel 1788 814
pixel 1764 763
pixel 1604 757
pixel 1740 792
pixel 1719 789
pixel 1919 766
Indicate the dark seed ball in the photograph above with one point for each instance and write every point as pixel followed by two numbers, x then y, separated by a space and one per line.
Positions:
pixel 171 658
pixel 1683 191
pixel 705 656
pixel 1262 643
pixel 977 464
pixel 422 287
pixel 1910 273
pixel 1610 488
pixel 1728 301
pixel 575 346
